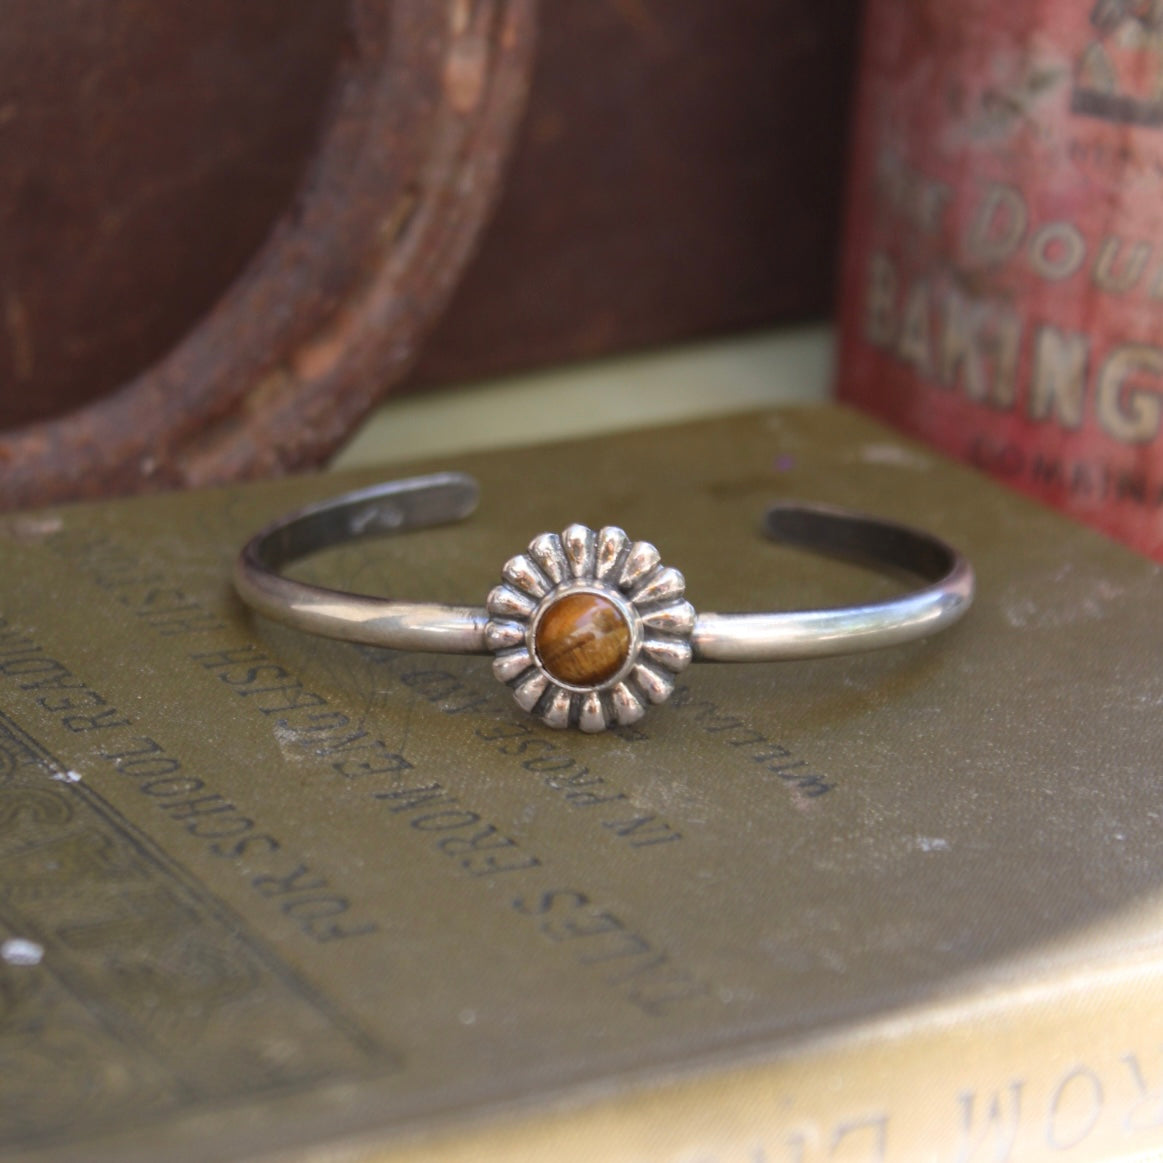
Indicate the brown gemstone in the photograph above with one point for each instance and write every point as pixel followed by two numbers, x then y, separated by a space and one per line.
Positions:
pixel 582 639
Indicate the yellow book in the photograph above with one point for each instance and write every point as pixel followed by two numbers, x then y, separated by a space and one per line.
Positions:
pixel 270 896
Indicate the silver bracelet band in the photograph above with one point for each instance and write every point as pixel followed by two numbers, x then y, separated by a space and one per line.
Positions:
pixel 588 627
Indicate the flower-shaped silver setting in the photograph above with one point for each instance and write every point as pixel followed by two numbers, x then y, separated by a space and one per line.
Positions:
pixel 588 629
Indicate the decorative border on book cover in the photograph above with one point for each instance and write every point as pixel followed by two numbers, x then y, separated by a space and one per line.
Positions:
pixel 130 992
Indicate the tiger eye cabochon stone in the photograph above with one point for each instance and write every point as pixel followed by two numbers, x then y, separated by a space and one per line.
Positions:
pixel 582 639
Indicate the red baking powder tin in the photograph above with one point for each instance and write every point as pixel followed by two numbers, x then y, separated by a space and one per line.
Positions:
pixel 1003 275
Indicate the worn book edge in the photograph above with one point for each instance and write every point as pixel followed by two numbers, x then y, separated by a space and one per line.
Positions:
pixel 1069 1066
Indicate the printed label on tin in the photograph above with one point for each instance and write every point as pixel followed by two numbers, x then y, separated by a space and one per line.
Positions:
pixel 1003 284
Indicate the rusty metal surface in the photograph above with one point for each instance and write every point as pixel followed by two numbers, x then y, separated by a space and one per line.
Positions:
pixel 679 174
pixel 329 310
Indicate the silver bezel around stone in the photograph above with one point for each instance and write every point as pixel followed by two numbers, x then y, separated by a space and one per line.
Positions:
pixel 628 574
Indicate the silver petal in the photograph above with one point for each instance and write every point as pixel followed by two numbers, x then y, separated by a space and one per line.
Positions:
pixel 676 619
pixel 546 550
pixel 673 653
pixel 501 635
pixel 522 572
pixel 666 585
pixel 641 562
pixel 504 602
pixel 511 663
pixel 592 717
pixel 529 690
pixel 612 543
pixel 557 713
pixel 628 707
pixel 654 683
pixel 579 543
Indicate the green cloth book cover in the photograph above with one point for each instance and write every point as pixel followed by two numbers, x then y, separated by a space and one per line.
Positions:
pixel 268 895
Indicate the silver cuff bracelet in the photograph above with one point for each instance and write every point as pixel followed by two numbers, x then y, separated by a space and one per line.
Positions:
pixel 588 628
